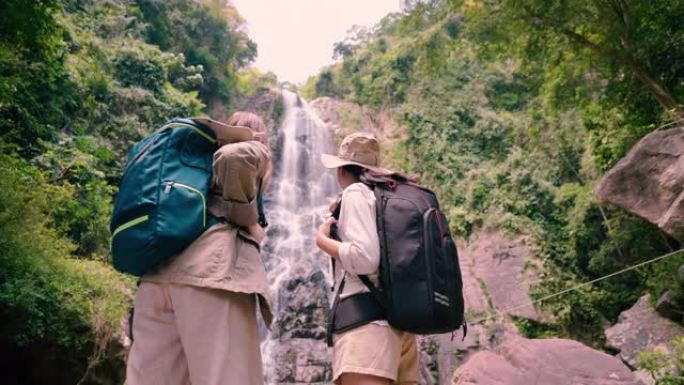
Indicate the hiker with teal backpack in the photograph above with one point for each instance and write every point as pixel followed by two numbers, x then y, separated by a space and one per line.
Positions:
pixel 395 268
pixel 187 221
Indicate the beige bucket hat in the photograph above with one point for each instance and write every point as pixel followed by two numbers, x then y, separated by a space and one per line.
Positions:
pixel 361 149
pixel 225 132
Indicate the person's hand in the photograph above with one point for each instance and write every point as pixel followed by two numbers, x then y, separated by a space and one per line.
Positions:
pixel 324 229
pixel 324 242
pixel 257 232
pixel 333 205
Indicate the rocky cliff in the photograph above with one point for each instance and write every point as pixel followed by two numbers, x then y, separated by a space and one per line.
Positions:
pixel 345 118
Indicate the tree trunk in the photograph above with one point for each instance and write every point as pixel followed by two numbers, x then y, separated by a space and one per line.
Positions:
pixel 658 91
pixel 652 85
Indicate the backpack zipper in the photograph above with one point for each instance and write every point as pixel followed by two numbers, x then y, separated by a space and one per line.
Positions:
pixel 169 186
pixel 129 224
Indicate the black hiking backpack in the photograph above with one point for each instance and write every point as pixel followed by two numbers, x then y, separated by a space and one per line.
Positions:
pixel 422 290
pixel 421 287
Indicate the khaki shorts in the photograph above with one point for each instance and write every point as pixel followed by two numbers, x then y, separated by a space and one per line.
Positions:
pixel 378 350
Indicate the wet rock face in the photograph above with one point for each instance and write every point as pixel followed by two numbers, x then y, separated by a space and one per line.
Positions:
pixel 649 181
pixel 297 343
pixel 503 269
pixel 641 328
pixel 521 361
pixel 301 361
pixel 345 118
pixel 265 102
pixel 304 308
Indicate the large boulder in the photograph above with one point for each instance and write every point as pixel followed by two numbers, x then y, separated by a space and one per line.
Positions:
pixel 638 329
pixel 520 361
pixel 649 181
pixel 671 305
pixel 505 271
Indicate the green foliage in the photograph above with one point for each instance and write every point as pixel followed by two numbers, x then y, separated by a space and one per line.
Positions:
pixel 325 85
pixel 30 26
pixel 83 213
pixel 252 81
pixel 666 368
pixel 133 68
pixel 79 91
pixel 48 301
pixel 80 82
pixel 618 62
pixel 356 37
pixel 208 33
pixel 32 72
pixel 533 329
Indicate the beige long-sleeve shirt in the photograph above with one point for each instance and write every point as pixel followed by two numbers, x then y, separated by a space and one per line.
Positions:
pixel 225 256
pixel 359 253
pixel 237 169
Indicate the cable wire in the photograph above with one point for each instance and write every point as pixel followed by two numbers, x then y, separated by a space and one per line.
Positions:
pixel 576 287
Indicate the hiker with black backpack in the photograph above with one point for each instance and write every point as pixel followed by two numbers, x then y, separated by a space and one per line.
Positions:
pixel 368 351
pixel 195 307
pixel 395 267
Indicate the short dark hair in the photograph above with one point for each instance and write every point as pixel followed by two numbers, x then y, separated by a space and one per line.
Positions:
pixel 356 170
pixel 369 177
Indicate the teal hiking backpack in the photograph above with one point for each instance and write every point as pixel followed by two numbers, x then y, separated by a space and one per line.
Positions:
pixel 161 206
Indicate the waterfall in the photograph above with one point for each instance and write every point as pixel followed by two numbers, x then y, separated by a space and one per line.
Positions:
pixel 299 274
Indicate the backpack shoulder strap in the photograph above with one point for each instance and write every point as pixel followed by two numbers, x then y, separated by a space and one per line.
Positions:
pixel 379 196
pixel 379 296
pixel 260 205
pixel 364 278
pixel 331 315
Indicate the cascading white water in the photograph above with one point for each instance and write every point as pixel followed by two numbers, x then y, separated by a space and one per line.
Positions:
pixel 294 351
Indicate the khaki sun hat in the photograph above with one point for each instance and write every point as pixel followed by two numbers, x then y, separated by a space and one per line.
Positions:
pixel 361 149
pixel 225 132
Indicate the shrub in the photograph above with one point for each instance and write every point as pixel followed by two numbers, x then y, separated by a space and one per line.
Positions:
pixel 57 314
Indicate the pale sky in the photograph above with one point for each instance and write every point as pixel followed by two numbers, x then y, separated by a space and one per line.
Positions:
pixel 295 37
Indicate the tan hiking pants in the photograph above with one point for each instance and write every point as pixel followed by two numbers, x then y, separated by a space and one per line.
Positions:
pixel 192 335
